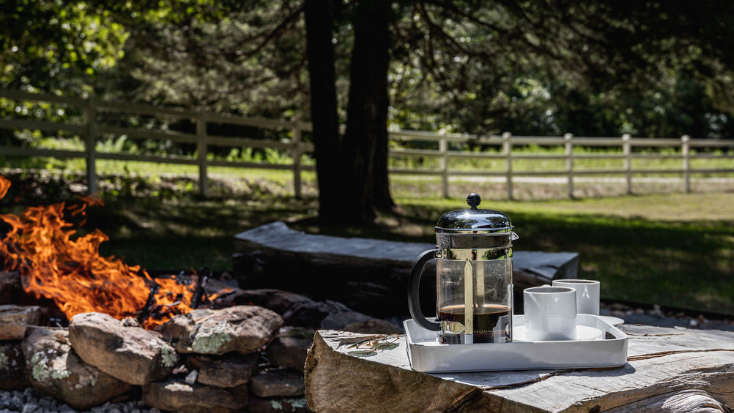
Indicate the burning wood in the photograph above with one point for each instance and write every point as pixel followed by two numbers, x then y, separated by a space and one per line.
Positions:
pixel 57 263
pixel 200 292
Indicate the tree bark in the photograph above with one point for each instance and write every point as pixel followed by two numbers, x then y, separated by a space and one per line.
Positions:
pixel 352 172
pixel 365 141
pixel 322 77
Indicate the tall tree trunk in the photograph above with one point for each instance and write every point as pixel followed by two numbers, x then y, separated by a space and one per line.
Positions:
pixel 381 184
pixel 365 141
pixel 322 78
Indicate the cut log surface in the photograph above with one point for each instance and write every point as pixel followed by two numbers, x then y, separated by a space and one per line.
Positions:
pixel 359 271
pixel 668 370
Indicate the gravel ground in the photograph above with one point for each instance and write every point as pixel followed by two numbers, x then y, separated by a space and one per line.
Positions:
pixel 30 401
pixel 656 316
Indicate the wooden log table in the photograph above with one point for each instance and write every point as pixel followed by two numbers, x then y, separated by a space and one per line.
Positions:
pixel 668 370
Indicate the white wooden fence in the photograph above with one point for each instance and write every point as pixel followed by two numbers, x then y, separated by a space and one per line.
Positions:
pixel 91 129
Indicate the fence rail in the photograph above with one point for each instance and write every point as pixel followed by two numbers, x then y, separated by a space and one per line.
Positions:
pixel 91 129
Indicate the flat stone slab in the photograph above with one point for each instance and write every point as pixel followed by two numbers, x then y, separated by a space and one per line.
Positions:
pixel 242 328
pixel 278 383
pixel 131 354
pixel 289 352
pixel 668 370
pixel 359 271
pixel 179 396
pixel 229 370
pixel 14 320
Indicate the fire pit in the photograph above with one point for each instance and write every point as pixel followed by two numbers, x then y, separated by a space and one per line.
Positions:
pixel 93 332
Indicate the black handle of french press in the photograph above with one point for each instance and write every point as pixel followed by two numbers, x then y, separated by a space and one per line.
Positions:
pixel 414 282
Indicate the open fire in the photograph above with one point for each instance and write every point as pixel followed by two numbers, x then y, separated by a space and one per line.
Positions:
pixel 56 262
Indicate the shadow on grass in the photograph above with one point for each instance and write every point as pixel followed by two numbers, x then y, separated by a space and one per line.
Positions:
pixel 678 264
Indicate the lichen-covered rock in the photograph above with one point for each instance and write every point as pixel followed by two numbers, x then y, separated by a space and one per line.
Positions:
pixel 272 383
pixel 12 366
pixel 176 395
pixel 131 354
pixel 241 328
pixel 229 370
pixel 279 405
pixel 55 369
pixel 14 320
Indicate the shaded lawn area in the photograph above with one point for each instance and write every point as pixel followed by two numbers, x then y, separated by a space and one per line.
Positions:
pixel 674 250
pixel 685 263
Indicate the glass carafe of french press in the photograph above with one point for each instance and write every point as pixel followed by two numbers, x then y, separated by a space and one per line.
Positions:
pixel 473 277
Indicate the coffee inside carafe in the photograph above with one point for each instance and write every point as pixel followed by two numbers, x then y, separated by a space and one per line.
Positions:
pixel 491 323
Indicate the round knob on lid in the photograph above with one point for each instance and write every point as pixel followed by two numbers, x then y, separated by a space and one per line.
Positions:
pixel 473 200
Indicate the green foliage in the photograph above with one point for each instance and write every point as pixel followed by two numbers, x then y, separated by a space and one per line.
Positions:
pixel 56 45
pixel 539 68
pixel 532 68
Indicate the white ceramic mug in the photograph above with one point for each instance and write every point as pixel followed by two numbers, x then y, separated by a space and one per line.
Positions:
pixel 550 313
pixel 587 294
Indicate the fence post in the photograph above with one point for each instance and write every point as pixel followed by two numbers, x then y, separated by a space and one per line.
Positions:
pixel 202 148
pixel 90 144
pixel 627 152
pixel 296 153
pixel 507 149
pixel 685 151
pixel 443 148
pixel 568 144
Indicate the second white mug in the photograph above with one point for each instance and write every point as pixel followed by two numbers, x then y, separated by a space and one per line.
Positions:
pixel 587 294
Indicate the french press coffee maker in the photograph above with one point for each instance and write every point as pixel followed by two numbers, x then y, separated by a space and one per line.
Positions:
pixel 473 277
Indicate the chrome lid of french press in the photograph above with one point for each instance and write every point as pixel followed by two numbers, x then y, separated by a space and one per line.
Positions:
pixel 474 228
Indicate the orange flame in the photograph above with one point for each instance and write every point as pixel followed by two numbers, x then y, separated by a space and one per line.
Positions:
pixel 4 186
pixel 56 263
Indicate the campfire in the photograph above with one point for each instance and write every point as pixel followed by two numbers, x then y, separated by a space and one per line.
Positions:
pixel 58 263
pixel 216 347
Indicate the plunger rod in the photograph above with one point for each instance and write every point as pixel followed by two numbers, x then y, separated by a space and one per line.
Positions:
pixel 468 304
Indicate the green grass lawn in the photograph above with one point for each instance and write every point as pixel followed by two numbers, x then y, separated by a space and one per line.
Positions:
pixel 670 249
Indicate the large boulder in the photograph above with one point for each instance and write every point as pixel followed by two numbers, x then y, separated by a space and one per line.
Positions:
pixel 369 275
pixel 229 370
pixel 179 396
pixel 276 300
pixel 14 320
pixel 242 328
pixel 131 354
pixel 55 369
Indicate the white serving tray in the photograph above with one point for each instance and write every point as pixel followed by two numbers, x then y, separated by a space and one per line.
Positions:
pixel 603 346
